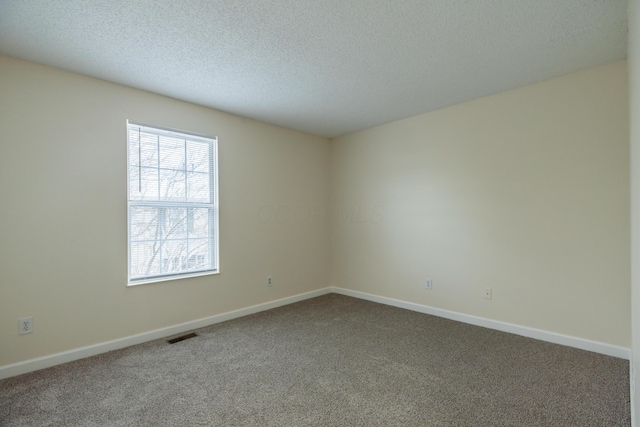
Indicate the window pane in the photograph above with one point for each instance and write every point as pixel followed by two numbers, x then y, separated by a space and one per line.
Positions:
pixel 144 223
pixel 198 157
pixel 134 146
pixel 134 183
pixel 199 257
pixel 148 151
pixel 198 187
pixel 172 185
pixel 149 187
pixel 176 227
pixel 174 256
pixel 199 222
pixel 172 153
pixel 144 186
pixel 145 259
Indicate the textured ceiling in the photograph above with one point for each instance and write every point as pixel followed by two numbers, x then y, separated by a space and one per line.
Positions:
pixel 326 67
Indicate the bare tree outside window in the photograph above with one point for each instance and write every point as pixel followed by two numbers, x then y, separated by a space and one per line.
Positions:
pixel 171 203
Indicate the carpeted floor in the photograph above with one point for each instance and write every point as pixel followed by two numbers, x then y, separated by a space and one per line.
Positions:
pixel 329 361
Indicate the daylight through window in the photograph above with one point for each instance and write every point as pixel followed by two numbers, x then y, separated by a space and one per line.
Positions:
pixel 172 204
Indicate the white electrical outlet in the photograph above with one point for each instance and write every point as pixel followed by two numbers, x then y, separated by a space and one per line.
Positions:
pixel 269 281
pixel 25 325
pixel 428 284
pixel 487 293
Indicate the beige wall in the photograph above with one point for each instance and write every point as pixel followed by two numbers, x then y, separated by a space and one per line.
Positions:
pixel 63 249
pixel 525 192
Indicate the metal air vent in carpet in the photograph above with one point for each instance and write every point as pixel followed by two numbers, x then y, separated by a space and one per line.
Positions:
pixel 182 338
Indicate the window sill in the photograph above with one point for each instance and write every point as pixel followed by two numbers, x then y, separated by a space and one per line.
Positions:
pixel 170 278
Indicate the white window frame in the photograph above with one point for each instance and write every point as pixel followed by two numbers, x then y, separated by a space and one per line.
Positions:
pixel 214 239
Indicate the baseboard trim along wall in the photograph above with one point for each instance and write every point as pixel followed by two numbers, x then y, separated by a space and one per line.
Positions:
pixel 92 350
pixel 552 337
pixel 79 353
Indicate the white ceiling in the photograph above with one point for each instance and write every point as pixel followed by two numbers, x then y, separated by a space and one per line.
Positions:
pixel 326 67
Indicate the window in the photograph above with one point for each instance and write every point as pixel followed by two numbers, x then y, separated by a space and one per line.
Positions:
pixel 172 203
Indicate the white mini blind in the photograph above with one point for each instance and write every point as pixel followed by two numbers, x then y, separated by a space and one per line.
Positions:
pixel 172 203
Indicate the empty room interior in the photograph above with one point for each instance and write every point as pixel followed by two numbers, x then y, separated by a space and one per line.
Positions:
pixel 410 213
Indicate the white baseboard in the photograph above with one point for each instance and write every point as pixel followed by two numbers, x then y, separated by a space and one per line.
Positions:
pixel 552 337
pixel 31 365
pixel 92 350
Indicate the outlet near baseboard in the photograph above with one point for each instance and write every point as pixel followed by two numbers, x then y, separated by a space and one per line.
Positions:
pixel 25 325
pixel 428 284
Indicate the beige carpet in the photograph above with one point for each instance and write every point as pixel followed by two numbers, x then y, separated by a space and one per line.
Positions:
pixel 329 361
